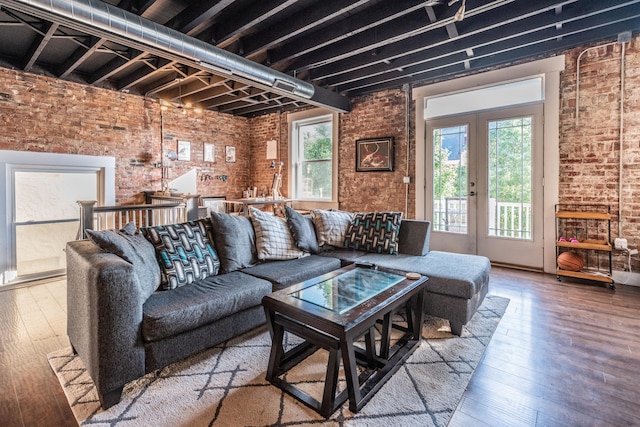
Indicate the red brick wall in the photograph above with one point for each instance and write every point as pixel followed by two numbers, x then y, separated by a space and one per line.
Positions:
pixel 590 149
pixel 271 127
pixel 382 114
pixel 43 114
pixel 378 115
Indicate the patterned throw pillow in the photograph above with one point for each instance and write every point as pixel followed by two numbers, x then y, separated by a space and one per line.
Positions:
pixel 184 253
pixel 273 239
pixel 331 226
pixel 374 232
pixel 302 231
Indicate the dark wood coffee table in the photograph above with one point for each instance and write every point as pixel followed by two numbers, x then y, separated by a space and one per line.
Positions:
pixel 332 312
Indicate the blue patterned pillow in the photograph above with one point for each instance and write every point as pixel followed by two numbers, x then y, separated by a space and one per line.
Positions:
pixel 374 232
pixel 184 253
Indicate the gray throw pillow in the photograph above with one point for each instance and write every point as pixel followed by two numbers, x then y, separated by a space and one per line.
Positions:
pixel 134 249
pixel 302 231
pixel 234 240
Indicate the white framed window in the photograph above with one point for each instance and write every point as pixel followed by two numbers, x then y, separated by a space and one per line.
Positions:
pixel 313 154
pixel 29 181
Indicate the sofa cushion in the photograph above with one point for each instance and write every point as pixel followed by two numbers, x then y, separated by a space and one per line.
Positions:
pixel 134 249
pixel 331 226
pixel 457 275
pixel 414 237
pixel 235 241
pixel 302 230
pixel 184 253
pixel 346 256
pixel 374 232
pixel 286 273
pixel 169 313
pixel 273 238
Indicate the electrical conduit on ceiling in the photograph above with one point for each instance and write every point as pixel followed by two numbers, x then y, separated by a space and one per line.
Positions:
pixel 92 15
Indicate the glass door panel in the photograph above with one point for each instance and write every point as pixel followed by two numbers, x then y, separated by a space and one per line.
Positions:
pixel 450 179
pixel 510 210
pixel 510 171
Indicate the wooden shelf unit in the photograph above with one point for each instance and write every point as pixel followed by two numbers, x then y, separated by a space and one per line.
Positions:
pixel 590 224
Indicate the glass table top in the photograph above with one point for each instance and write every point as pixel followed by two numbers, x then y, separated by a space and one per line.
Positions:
pixel 345 291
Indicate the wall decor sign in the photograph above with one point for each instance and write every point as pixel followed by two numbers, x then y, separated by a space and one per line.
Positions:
pixel 230 154
pixel 209 152
pixel 374 155
pixel 184 150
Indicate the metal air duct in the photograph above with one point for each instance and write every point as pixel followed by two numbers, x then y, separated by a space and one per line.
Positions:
pixel 103 19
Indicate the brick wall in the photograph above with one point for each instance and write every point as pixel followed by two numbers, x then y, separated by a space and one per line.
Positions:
pixel 271 127
pixel 39 113
pixel 590 148
pixel 381 114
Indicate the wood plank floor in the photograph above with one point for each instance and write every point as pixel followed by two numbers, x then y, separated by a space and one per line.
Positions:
pixel 564 354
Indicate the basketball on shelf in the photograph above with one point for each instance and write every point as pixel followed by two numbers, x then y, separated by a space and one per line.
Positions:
pixel 570 261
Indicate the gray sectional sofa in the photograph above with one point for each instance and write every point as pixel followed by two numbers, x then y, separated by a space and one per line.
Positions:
pixel 122 327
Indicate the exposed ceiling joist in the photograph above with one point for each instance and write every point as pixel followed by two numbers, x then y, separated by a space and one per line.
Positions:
pixel 327 48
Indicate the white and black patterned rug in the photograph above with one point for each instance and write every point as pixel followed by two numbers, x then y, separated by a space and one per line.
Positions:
pixel 225 386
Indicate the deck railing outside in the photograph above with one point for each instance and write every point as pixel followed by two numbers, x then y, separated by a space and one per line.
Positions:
pixel 105 217
pixel 505 219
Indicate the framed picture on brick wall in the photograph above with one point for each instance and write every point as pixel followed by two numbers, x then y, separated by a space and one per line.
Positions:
pixel 374 154
pixel 230 154
pixel 209 152
pixel 184 150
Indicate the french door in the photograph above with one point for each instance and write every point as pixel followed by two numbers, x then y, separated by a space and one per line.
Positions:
pixel 487 184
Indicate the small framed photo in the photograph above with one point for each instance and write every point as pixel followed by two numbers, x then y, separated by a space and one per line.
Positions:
pixel 209 152
pixel 374 155
pixel 184 150
pixel 230 154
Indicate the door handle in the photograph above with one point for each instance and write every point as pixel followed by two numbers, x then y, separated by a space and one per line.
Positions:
pixel 472 193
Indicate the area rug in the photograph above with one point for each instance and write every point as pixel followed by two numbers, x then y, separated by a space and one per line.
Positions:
pixel 225 385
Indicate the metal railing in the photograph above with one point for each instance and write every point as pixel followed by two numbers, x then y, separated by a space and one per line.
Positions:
pixel 505 219
pixel 105 217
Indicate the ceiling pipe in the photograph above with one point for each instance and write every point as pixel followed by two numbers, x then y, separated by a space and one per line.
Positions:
pixel 91 15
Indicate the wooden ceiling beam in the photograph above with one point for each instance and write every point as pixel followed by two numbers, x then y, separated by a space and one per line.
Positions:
pixel 303 21
pixel 244 20
pixel 526 47
pixel 345 28
pixel 433 47
pixel 39 44
pixel 198 16
pixel 81 54
pixel 389 32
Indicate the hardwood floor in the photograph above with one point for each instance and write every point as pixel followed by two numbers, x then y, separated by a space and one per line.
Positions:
pixel 564 354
